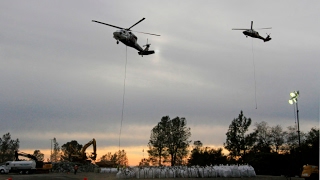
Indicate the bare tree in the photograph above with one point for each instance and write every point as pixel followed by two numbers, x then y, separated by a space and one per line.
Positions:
pixel 56 154
pixel 277 137
pixel 263 137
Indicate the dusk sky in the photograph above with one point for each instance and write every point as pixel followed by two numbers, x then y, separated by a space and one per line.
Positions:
pixel 62 75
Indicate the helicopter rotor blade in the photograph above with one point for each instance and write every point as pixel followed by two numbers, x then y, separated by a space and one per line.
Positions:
pixel 136 23
pixel 107 24
pixel 239 29
pixel 264 28
pixel 146 33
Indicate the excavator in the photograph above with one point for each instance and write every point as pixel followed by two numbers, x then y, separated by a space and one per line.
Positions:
pixel 310 172
pixel 81 156
pixel 41 167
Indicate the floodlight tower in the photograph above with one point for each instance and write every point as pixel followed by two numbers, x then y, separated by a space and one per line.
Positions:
pixel 294 100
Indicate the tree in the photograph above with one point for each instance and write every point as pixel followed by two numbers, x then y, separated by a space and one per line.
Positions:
pixel 310 147
pixel 157 146
pixel 263 137
pixel 144 162
pixel 312 138
pixel 121 158
pixel 39 156
pixel 169 140
pixel 8 147
pixel 205 156
pixel 277 138
pixel 56 154
pixel 72 147
pixel 177 140
pixel 292 138
pixel 108 157
pixel 112 160
pixel 197 145
pixel 237 142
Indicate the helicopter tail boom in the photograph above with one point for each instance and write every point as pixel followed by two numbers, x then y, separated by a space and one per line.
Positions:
pixel 145 52
pixel 268 38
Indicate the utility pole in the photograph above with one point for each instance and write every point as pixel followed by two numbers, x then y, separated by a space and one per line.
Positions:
pixel 51 151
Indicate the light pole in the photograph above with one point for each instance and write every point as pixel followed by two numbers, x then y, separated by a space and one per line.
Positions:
pixel 51 151
pixel 294 100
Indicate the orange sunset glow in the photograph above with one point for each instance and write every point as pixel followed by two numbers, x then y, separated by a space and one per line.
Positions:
pixel 134 154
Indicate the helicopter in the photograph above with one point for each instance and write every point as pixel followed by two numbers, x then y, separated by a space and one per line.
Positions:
pixel 254 34
pixel 125 36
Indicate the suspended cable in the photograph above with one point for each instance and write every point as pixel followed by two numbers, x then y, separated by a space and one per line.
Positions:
pixel 124 92
pixel 254 76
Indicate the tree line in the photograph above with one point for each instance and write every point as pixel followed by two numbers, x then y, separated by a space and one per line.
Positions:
pixel 8 147
pixel 270 150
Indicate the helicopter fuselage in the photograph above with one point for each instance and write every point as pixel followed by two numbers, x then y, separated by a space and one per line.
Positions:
pixel 127 38
pixel 251 33
pixel 254 34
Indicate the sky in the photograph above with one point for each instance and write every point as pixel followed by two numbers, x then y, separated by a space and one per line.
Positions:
pixel 64 76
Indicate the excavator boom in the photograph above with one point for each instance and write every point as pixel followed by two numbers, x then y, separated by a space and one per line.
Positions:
pixel 82 157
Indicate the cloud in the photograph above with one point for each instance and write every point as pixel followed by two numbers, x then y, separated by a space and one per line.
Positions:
pixel 63 75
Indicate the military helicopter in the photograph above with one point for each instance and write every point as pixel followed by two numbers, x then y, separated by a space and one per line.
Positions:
pixel 125 36
pixel 252 33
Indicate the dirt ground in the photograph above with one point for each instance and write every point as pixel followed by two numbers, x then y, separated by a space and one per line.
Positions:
pixel 112 176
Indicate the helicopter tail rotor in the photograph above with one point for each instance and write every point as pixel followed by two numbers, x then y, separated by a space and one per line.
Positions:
pixel 146 50
pixel 147 46
pixel 268 38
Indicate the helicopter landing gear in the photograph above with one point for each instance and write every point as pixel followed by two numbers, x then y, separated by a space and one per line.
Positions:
pixel 117 42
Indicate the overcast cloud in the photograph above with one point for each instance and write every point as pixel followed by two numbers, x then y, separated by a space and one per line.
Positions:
pixel 62 75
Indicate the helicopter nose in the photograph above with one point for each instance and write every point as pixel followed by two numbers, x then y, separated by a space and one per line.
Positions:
pixel 116 34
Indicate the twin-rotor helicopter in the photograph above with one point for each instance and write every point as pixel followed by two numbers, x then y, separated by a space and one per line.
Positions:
pixel 254 34
pixel 125 36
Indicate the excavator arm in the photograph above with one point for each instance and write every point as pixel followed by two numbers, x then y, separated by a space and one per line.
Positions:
pixel 94 153
pixel 16 154
pixel 40 165
pixel 82 154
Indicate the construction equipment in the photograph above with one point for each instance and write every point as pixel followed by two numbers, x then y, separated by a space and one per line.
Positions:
pixel 22 167
pixel 81 156
pixel 310 172
pixel 41 167
pixel 110 164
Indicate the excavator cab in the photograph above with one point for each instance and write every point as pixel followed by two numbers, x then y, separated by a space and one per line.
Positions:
pixel 310 172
